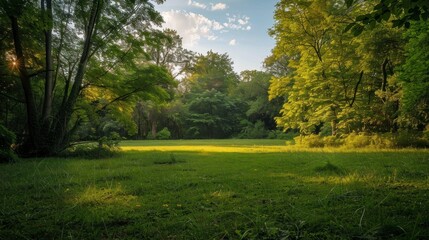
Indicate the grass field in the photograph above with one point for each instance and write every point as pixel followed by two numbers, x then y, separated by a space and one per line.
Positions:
pixel 218 189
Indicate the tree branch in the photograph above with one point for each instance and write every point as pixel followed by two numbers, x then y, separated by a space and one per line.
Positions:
pixel 356 89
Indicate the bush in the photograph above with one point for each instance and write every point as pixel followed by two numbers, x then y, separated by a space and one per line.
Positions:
pixel 110 141
pixel 7 138
pixel 164 134
pixel 311 141
pixel 355 140
pixel 385 140
pixel 411 139
pixel 364 140
pixel 89 151
pixel 254 131
pixel 333 141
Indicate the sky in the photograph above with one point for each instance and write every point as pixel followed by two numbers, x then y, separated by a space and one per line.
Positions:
pixel 236 27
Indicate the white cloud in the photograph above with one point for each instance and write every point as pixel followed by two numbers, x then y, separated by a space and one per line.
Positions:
pixel 218 6
pixel 212 38
pixel 191 26
pixel 213 6
pixel 197 4
pixel 238 22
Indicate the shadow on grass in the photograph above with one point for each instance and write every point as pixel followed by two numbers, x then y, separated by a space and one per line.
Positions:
pixel 330 168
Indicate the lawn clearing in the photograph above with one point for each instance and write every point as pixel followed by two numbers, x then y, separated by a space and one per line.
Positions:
pixel 168 191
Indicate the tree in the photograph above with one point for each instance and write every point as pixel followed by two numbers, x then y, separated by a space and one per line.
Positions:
pixel 414 76
pixel 212 114
pixel 212 111
pixel 169 53
pixel 334 82
pixel 252 90
pixel 211 71
pixel 322 76
pixel 60 49
pixel 116 99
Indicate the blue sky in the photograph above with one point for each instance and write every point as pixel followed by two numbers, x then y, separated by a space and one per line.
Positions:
pixel 236 27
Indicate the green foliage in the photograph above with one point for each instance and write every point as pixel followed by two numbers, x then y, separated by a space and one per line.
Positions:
pixel 212 71
pixel 164 134
pixel 111 140
pixel 333 141
pixel 278 134
pixel 212 114
pixel 411 139
pixel 91 150
pixel 7 138
pixel 253 91
pixel 311 141
pixel 334 83
pixel 322 71
pixel 402 139
pixel 414 76
pixel 401 13
pixel 358 140
pixel 254 131
pixel 67 54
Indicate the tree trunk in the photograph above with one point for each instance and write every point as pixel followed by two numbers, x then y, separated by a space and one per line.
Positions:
pixel 49 80
pixel 32 116
pixel 384 70
pixel 154 129
pixel 61 129
pixel 334 127
pixel 43 137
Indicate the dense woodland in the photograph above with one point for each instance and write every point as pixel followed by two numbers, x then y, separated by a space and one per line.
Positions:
pixel 94 70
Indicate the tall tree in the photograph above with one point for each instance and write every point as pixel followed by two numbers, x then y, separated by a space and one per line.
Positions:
pixel 213 114
pixel 331 74
pixel 167 51
pixel 66 46
pixel 253 91
pixel 212 71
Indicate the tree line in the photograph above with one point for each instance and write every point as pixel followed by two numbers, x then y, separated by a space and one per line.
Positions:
pixel 98 70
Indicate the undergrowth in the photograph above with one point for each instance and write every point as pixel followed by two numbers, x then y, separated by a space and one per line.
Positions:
pixel 365 140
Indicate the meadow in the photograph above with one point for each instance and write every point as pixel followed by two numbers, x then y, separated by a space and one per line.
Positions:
pixel 218 189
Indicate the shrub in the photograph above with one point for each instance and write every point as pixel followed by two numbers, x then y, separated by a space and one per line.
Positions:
pixel 89 151
pixel 7 138
pixel 164 134
pixel 333 141
pixel 385 140
pixel 254 131
pixel 357 140
pixel 363 140
pixel 311 141
pixel 110 141
pixel 411 139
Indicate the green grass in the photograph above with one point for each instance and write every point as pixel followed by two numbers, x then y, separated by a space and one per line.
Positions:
pixel 200 192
